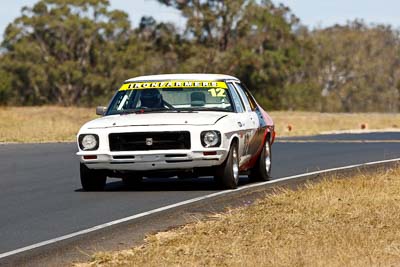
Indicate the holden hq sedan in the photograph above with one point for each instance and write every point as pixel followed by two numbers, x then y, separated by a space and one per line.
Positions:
pixel 184 125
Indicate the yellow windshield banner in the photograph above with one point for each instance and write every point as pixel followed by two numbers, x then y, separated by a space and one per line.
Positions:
pixel 173 84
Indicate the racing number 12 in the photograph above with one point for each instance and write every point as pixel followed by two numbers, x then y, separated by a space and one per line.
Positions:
pixel 217 92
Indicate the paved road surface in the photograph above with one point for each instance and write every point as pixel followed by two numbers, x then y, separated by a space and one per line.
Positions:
pixel 41 195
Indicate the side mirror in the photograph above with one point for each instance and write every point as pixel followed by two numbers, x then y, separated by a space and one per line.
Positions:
pixel 101 110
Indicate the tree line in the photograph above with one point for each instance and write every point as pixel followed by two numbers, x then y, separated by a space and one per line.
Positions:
pixel 74 52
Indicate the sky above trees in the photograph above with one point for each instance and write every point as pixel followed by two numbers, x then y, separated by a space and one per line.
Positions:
pixel 326 13
pixel 311 12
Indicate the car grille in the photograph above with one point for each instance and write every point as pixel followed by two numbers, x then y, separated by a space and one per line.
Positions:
pixel 149 141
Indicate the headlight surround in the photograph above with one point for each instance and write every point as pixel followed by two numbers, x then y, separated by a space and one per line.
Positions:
pixel 210 138
pixel 88 142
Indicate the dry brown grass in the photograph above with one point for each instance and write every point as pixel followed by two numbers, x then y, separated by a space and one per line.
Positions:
pixel 57 124
pixel 311 123
pixel 42 124
pixel 339 222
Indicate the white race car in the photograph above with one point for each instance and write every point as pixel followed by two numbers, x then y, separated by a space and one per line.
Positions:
pixel 185 125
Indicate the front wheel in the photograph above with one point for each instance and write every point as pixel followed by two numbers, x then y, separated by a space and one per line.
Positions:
pixel 262 170
pixel 92 180
pixel 227 174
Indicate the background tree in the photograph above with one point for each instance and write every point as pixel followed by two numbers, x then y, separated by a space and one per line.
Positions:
pixel 5 83
pixel 250 39
pixel 358 67
pixel 72 52
pixel 62 50
pixel 212 22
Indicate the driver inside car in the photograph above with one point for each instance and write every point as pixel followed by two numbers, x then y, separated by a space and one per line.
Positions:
pixel 151 98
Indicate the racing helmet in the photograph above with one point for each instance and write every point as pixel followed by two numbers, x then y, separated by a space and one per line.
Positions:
pixel 151 98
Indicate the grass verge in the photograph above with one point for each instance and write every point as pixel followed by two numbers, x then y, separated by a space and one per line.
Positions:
pixel 42 124
pixel 337 222
pixel 60 124
pixel 312 123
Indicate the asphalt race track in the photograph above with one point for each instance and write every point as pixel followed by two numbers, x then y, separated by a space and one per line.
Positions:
pixel 41 195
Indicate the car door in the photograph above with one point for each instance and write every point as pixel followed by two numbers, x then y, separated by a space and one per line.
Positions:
pixel 246 123
pixel 242 121
pixel 254 131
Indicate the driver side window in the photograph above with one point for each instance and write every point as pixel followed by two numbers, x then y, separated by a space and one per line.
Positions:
pixel 244 97
pixel 236 99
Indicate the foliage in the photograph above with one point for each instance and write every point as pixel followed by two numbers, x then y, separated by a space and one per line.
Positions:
pixel 74 52
pixel 358 67
pixel 62 51
pixel 250 39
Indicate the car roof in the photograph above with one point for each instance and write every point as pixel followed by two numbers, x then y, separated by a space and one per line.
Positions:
pixel 187 76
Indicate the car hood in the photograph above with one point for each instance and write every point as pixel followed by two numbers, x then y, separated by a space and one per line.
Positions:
pixel 147 119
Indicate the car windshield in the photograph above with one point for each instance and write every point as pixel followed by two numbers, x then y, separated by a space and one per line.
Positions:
pixel 170 96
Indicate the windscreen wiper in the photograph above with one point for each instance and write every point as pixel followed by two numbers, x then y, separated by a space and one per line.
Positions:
pixel 212 109
pixel 160 110
pixel 149 110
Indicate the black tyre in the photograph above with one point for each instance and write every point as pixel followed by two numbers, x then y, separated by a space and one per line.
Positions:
pixel 227 174
pixel 262 169
pixel 92 180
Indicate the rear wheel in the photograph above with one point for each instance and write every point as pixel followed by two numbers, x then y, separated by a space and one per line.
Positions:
pixel 92 180
pixel 262 169
pixel 227 174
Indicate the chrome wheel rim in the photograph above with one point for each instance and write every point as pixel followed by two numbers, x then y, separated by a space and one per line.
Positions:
pixel 235 165
pixel 268 160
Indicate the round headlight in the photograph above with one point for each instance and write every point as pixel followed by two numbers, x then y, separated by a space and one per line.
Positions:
pixel 89 142
pixel 210 139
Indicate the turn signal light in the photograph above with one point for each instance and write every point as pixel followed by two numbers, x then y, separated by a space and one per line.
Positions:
pixel 90 157
pixel 210 153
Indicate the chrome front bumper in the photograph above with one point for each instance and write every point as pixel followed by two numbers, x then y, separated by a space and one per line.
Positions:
pixel 153 160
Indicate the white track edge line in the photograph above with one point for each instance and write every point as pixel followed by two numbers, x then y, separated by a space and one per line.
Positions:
pixel 182 203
